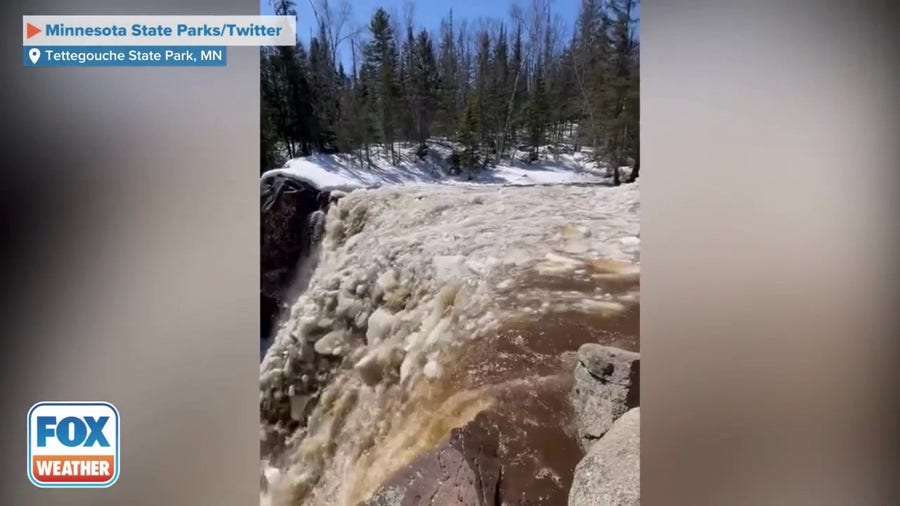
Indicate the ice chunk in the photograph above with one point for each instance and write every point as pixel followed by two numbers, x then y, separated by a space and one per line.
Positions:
pixel 438 332
pixel 560 259
pixel 603 307
pixel 432 369
pixel 348 306
pixel 379 364
pixel 332 343
pixel 386 282
pixel 379 325
pixel 558 264
pixel 272 475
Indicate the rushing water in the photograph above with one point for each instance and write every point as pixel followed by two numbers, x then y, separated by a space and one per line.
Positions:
pixel 430 304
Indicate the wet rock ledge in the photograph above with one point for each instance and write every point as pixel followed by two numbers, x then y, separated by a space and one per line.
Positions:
pixel 291 212
pixel 607 417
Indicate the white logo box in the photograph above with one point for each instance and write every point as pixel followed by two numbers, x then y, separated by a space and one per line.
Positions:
pixel 73 444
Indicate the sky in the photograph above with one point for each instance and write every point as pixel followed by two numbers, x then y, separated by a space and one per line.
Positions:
pixel 427 13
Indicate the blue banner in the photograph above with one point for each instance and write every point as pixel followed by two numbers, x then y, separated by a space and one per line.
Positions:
pixel 124 56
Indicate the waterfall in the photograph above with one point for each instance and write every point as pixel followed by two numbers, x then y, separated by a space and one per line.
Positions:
pixel 292 226
pixel 425 305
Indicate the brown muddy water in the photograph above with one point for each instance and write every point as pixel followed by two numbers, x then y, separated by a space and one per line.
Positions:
pixel 526 367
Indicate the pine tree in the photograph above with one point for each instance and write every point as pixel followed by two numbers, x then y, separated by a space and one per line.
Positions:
pixel 519 87
pixel 468 137
pixel 634 112
pixel 536 115
pixel 270 110
pixel 482 82
pixel 323 84
pixel 424 85
pixel 623 115
pixel 381 58
pixel 368 110
pixel 590 62
pixel 406 89
pixel 500 93
pixel 447 118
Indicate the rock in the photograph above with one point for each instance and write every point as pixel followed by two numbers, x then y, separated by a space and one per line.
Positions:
pixel 378 325
pixel 610 474
pixel 388 496
pixel 269 310
pixel 291 221
pixel 379 365
pixel 607 383
pixel 298 406
pixel 333 343
pixel 463 471
pixel 348 306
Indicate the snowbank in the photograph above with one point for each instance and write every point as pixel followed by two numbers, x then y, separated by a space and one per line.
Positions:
pixel 347 172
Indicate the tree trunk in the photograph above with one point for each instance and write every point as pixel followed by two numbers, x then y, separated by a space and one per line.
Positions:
pixel 289 146
pixel 637 168
pixel 617 162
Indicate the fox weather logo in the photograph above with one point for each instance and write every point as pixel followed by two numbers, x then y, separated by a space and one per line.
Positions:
pixel 73 444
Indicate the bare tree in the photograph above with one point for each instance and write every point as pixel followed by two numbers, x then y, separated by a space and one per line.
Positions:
pixel 335 22
pixel 409 14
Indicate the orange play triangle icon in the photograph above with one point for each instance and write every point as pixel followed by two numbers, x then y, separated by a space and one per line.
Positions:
pixel 31 30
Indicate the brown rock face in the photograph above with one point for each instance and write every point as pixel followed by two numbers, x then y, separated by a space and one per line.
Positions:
pixel 287 232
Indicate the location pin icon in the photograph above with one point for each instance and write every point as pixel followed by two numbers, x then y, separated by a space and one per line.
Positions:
pixel 35 54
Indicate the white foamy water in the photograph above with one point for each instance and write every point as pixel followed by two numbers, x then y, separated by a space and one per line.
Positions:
pixel 407 274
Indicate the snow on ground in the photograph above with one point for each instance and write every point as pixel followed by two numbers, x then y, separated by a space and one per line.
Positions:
pixel 347 172
pixel 407 274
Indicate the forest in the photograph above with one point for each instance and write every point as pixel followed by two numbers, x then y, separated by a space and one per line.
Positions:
pixel 530 85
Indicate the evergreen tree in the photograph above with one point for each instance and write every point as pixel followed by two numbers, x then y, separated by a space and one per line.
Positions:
pixel 519 88
pixel 481 89
pixel 500 93
pixel 633 106
pixel 536 116
pixel 623 114
pixel 324 90
pixel 447 118
pixel 590 55
pixel 381 58
pixel 406 90
pixel 423 94
pixel 270 126
pixel 368 110
pixel 468 137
